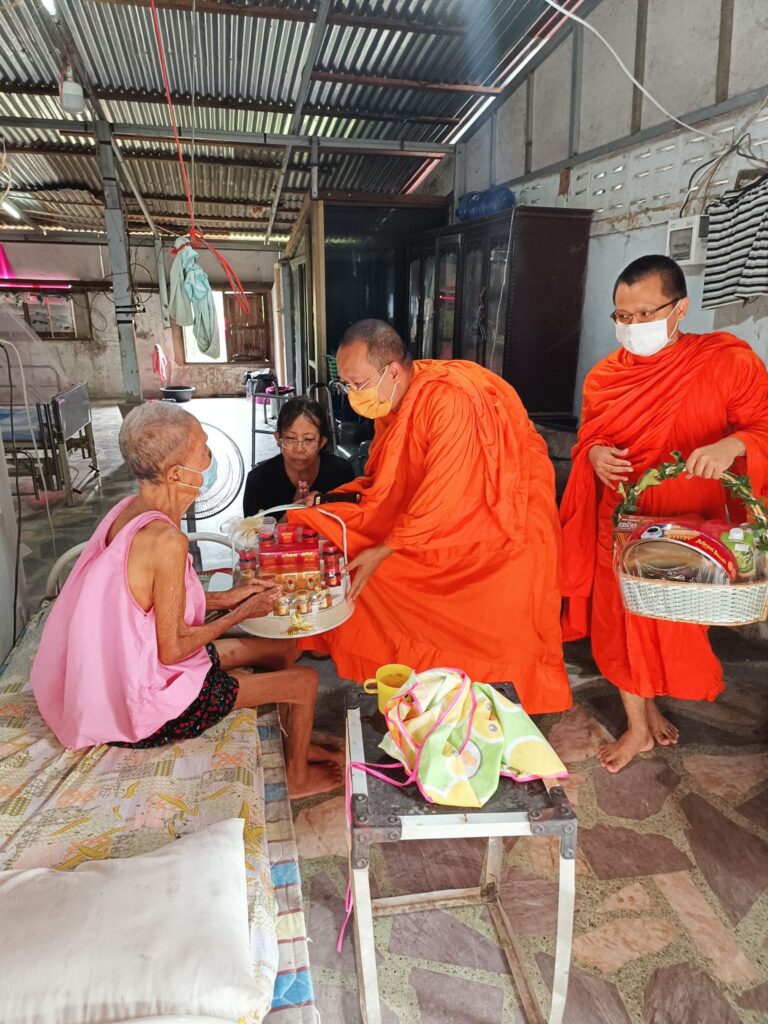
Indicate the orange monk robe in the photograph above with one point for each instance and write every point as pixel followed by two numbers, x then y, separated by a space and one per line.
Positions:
pixel 460 485
pixel 703 388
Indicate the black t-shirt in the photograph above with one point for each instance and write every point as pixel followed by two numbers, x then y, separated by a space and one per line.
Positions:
pixel 268 484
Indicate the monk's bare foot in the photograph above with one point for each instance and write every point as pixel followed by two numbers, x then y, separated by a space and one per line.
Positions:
pixel 615 756
pixel 315 778
pixel 318 753
pixel 662 730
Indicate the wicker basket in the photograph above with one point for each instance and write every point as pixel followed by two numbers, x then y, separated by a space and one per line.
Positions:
pixel 735 604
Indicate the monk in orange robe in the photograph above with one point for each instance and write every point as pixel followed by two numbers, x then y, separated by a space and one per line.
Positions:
pixel 705 395
pixel 454 546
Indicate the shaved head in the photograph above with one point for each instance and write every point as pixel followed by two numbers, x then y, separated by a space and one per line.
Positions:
pixel 382 342
pixel 156 436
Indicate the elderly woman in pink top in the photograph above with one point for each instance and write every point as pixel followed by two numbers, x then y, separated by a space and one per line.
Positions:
pixel 126 656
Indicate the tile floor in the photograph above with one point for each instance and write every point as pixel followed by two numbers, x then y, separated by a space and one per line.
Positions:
pixel 672 912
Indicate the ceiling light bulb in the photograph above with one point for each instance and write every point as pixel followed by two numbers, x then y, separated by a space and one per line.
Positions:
pixel 11 209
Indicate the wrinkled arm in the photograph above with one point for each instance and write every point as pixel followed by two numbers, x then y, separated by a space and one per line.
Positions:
pixel 175 639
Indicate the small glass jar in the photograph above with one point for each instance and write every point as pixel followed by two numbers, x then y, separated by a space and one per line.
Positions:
pixel 303 602
pixel 332 578
pixel 323 598
pixel 282 606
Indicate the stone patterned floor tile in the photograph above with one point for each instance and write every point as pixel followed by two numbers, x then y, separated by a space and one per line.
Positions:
pixel 683 994
pixel 732 860
pixel 339 1005
pixel 437 935
pixel 756 809
pixel 611 945
pixel 530 902
pixel 424 865
pixel 755 999
pixel 629 897
pixel 638 791
pixel 450 1000
pixel 591 1000
pixel 615 852
pixel 572 786
pixel 729 777
pixel 325 917
pixel 713 940
pixel 577 735
pixel 545 857
pixel 320 830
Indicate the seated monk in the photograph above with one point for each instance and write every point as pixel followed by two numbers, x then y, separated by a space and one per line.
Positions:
pixel 454 545
pixel 705 395
pixel 126 656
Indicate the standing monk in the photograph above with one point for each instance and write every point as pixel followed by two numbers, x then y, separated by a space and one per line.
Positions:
pixel 454 545
pixel 705 395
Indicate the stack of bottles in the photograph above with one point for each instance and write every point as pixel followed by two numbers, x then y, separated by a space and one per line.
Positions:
pixel 305 565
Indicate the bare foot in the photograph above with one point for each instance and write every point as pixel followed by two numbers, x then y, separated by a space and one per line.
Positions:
pixel 317 752
pixel 662 730
pixel 317 778
pixel 615 756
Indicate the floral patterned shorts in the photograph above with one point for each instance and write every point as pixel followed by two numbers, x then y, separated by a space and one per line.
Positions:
pixel 214 702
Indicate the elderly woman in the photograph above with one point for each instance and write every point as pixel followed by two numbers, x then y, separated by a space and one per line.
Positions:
pixel 126 656
pixel 303 465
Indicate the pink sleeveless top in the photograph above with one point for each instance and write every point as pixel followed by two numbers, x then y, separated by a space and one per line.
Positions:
pixel 97 677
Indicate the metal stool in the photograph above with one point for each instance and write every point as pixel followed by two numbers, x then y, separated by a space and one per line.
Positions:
pixel 385 814
pixel 264 400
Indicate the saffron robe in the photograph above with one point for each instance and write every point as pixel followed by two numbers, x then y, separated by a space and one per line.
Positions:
pixel 693 393
pixel 460 485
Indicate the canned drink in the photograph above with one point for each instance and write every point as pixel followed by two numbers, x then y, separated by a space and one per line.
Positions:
pixel 303 602
pixel 282 606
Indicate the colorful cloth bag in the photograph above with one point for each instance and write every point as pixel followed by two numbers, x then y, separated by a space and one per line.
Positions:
pixel 455 738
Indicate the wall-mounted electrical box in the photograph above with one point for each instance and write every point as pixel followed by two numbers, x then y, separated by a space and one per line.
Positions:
pixel 687 239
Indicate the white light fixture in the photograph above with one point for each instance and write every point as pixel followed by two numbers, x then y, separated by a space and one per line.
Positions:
pixel 11 209
pixel 50 6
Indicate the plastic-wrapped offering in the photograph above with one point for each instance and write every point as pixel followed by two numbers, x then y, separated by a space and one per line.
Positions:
pixel 680 552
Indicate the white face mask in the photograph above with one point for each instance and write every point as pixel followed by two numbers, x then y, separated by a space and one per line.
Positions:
pixel 645 339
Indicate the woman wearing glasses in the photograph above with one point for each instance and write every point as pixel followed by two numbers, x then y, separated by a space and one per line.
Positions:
pixel 664 389
pixel 302 465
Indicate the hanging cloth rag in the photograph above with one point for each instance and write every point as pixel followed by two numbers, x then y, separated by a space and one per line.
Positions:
pixel 160 365
pixel 737 248
pixel 191 303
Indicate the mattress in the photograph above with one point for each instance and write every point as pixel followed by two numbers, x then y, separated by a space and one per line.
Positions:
pixel 15 424
pixel 59 808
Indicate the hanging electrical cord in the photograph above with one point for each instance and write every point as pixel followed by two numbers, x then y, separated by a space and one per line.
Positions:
pixel 627 72
pixel 197 238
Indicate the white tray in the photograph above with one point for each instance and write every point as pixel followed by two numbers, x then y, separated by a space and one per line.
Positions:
pixel 274 627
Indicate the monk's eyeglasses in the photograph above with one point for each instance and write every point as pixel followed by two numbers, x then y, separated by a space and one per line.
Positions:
pixel 642 317
pixel 345 389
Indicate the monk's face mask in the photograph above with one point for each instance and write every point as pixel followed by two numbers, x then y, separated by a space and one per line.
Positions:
pixel 646 339
pixel 366 402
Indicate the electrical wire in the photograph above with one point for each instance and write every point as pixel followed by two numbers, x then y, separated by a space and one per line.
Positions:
pixel 17 564
pixel 628 73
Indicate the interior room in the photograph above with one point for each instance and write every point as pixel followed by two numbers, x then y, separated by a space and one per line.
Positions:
pixel 308 388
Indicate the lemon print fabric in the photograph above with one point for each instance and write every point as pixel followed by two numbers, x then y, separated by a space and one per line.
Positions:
pixel 457 737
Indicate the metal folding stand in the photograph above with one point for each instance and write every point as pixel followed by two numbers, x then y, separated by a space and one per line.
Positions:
pixel 382 813
pixel 267 428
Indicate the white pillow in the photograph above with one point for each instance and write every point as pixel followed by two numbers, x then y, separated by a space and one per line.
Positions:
pixel 161 934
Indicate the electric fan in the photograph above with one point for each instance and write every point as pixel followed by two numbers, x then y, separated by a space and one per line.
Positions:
pixel 229 478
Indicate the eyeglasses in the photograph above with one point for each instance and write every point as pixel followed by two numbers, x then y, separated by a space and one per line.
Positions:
pixel 292 443
pixel 642 317
pixel 345 389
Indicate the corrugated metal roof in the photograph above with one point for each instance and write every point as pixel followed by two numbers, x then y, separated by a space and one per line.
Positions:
pixel 243 64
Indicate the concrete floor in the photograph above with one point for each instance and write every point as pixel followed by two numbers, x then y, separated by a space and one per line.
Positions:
pixel 672 875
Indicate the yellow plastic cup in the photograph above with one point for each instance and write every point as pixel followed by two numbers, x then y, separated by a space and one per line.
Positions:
pixel 389 679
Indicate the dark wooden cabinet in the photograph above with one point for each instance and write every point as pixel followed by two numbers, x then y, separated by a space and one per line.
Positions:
pixel 506 292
